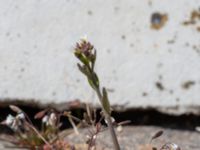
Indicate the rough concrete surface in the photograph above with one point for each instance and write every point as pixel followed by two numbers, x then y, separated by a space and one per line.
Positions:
pixel 148 51
pixel 132 137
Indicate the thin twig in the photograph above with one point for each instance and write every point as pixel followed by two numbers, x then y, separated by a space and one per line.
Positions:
pixel 73 125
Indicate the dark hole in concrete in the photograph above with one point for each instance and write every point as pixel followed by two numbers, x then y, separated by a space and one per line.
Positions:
pixel 108 50
pixel 159 86
pixel 158 20
pixel 54 93
pixel 171 41
pixel 131 45
pixel 22 69
pixel 186 85
pixel 116 8
pixel 144 94
pixel 8 34
pixel 194 17
pixel 18 35
pixel 177 99
pixel 171 91
pixel 123 37
pixel 90 12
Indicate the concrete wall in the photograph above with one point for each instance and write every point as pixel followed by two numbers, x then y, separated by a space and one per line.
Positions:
pixel 142 64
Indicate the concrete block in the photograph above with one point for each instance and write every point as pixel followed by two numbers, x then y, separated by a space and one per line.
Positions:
pixel 148 51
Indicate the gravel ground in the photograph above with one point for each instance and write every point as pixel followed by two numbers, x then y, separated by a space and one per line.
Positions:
pixel 131 137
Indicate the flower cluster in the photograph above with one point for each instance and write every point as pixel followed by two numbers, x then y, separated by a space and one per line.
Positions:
pixel 50 119
pixel 86 53
pixel 16 123
pixel 84 47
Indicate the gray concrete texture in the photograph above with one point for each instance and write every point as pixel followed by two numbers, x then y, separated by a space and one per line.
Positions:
pixel 130 138
pixel 148 51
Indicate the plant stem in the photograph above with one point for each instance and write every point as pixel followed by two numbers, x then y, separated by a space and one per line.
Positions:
pixel 86 53
pixel 109 122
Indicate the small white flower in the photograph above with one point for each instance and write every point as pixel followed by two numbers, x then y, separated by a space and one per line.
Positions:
pixel 84 38
pixel 45 119
pixel 52 119
pixel 9 120
pixel 13 122
pixel 112 120
pixel 20 116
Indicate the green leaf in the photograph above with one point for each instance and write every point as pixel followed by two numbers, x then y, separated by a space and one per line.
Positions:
pixel 105 101
pixel 92 84
pixel 81 57
pixel 95 79
pixel 82 69
pixel 93 59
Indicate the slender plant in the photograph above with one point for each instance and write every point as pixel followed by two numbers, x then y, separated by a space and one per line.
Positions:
pixel 86 53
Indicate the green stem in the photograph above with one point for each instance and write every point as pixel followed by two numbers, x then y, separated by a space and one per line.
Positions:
pixel 109 122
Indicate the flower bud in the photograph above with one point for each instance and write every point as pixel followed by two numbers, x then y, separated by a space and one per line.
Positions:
pixel 52 119
pixel 20 116
pixel 85 52
pixel 45 119
pixel 9 120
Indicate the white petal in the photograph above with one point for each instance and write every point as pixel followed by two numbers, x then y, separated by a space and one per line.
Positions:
pixel 45 119
pixel 21 116
pixel 9 120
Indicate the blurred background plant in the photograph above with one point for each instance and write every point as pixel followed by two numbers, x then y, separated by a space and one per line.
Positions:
pixel 27 136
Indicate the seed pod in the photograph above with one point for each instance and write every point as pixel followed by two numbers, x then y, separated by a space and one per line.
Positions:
pixel 15 109
pixel 41 114
pixel 157 135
